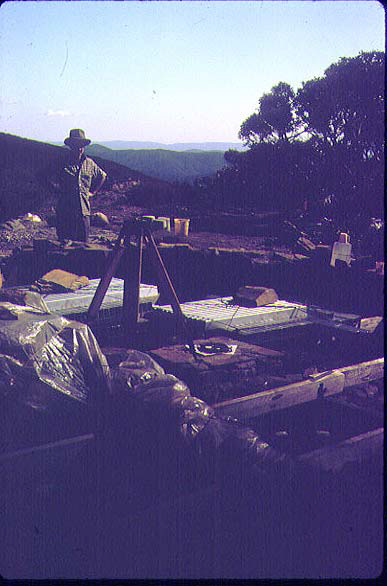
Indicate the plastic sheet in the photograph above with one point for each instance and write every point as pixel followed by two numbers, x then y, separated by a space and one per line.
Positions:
pixel 247 447
pixel 23 297
pixel 45 359
pixel 196 422
pixel 135 368
pixel 163 390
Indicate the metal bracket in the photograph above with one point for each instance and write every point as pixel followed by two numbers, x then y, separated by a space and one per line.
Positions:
pixel 321 391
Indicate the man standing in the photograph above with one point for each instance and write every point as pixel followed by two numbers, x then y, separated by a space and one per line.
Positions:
pixel 79 179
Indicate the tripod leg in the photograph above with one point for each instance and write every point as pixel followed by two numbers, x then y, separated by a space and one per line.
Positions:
pixel 132 289
pixel 104 283
pixel 166 283
pixel 164 280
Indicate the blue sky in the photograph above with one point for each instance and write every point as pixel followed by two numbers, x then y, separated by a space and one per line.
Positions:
pixel 165 71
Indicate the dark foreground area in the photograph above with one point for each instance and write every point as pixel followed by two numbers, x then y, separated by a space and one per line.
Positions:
pixel 128 497
pixel 135 506
pixel 125 496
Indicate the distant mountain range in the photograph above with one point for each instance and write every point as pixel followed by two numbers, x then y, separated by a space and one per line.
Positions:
pixel 178 162
pixel 168 165
pixel 176 146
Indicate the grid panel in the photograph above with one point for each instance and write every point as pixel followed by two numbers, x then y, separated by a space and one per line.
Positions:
pixel 222 313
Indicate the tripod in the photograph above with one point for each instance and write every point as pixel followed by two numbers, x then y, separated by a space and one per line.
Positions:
pixel 140 229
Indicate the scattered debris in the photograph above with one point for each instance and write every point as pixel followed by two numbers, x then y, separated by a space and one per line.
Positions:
pixel 24 297
pixel 12 311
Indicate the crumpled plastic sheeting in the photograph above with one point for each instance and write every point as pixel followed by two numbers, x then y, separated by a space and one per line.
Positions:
pixel 162 390
pixel 44 359
pixel 195 415
pixel 137 367
pixel 232 437
pixel 24 297
pixel 197 422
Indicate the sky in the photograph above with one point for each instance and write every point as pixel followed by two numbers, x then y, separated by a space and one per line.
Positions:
pixel 166 71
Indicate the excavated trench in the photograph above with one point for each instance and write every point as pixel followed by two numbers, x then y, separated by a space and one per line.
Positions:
pixel 216 520
pixel 197 274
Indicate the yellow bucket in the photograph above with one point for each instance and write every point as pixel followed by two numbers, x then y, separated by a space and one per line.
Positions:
pixel 181 226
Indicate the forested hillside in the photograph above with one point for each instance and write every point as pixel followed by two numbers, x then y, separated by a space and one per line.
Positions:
pixel 25 165
pixel 183 166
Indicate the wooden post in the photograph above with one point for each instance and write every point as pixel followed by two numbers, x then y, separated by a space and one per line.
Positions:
pixel 355 449
pixel 132 281
pixel 104 283
pixel 164 280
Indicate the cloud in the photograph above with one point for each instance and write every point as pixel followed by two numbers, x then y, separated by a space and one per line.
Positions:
pixel 61 113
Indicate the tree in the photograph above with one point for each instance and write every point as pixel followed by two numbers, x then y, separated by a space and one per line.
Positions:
pixel 334 128
pixel 276 118
pixel 346 105
pixel 344 113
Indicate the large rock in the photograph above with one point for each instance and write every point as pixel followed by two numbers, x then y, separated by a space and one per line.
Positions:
pixel 99 219
pixel 31 218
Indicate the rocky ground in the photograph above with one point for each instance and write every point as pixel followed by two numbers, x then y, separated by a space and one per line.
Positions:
pixel 258 236
pixel 22 232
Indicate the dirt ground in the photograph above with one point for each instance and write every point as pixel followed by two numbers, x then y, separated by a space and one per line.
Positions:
pixel 27 231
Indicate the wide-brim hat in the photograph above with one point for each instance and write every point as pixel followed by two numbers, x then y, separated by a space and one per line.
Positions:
pixel 77 137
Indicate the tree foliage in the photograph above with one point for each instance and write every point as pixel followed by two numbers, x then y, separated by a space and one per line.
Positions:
pixel 346 105
pixel 326 139
pixel 275 119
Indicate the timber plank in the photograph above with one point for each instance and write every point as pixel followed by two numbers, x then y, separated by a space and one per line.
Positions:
pixel 355 449
pixel 326 383
pixel 36 463
pixel 329 383
pixel 65 445
pixel 363 372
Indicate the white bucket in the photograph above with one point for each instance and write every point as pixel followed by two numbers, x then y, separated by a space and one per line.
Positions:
pixel 344 238
pixel 181 226
pixel 166 223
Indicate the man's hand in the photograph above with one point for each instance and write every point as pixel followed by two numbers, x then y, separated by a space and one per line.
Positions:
pixel 91 194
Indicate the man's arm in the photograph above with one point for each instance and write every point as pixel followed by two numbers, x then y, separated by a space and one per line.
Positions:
pixel 98 180
pixel 98 186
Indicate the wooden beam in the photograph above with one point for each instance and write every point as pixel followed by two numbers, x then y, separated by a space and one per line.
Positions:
pixel 132 283
pixel 369 324
pixel 111 266
pixel 38 464
pixel 164 279
pixel 329 383
pixel 66 444
pixel 364 372
pixel 324 383
pixel 355 449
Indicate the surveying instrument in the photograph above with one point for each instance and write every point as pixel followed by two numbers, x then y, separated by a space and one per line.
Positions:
pixel 139 229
